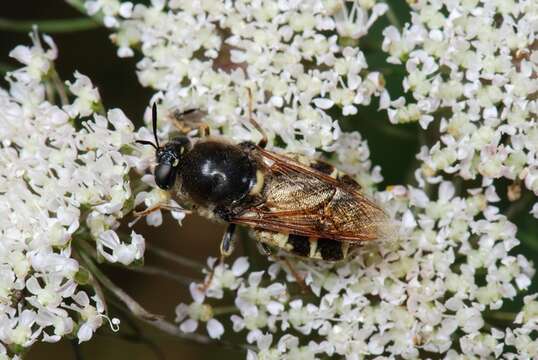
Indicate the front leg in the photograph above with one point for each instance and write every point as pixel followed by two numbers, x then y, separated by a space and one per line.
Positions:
pixel 227 243
pixel 140 214
pixel 189 120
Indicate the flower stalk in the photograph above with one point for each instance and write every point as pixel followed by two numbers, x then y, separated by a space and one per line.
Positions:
pixel 55 26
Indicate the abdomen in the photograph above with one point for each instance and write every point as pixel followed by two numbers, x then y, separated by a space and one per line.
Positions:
pixel 307 247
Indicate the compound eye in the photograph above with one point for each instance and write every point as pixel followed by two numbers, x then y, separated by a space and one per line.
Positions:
pixel 165 176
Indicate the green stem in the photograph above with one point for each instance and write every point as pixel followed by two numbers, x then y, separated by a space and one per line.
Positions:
pixel 52 77
pixel 138 335
pixel 142 314
pixel 151 270
pixel 392 17
pixel 81 246
pixel 523 203
pixel 135 308
pixel 224 310
pixel 415 164
pixel 59 86
pixel 77 350
pixel 99 108
pixel 183 261
pixel 49 26
pixel 423 141
pixel 529 239
pixel 397 132
pixel 49 92
pixel 502 316
pixel 77 4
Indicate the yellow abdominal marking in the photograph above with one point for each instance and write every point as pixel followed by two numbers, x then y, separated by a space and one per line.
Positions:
pixel 257 188
pixel 274 239
pixel 314 248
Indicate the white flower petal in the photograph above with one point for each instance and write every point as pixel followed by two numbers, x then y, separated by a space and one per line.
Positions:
pixel 323 103
pixel 189 326
pixel 214 329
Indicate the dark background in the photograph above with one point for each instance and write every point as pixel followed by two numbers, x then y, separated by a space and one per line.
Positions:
pixel 91 53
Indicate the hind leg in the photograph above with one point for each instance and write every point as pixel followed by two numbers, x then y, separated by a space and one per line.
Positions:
pixel 227 246
pixel 267 251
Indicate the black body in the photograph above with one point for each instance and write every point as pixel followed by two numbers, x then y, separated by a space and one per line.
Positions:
pixel 168 160
pixel 214 173
pixel 329 249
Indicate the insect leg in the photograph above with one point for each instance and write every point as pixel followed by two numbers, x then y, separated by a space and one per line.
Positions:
pixel 227 243
pixel 159 206
pixel 140 214
pixel 298 278
pixel 226 249
pixel 264 249
pixel 267 251
pixel 185 122
pixel 263 142
pixel 179 115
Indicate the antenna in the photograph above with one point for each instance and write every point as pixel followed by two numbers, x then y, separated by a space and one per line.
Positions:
pixel 154 123
pixel 154 120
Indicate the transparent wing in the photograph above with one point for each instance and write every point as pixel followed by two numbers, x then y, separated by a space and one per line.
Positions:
pixel 303 201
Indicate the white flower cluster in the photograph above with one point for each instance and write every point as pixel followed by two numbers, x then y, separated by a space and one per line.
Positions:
pixel 451 264
pixel 427 292
pixel 205 55
pixel 59 187
pixel 472 66
pixel 523 338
